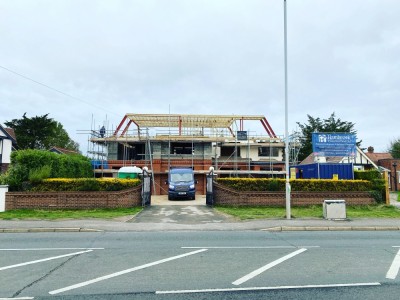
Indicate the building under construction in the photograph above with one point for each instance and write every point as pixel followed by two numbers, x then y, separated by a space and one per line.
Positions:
pixel 162 141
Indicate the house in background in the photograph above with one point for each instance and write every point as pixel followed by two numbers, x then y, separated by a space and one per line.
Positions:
pixel 361 161
pixel 385 161
pixel 59 150
pixel 8 143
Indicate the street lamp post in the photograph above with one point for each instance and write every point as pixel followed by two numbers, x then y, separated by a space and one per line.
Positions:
pixel 288 213
pixel 395 175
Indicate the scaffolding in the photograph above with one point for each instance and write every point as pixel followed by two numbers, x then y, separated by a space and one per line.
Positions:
pixel 196 140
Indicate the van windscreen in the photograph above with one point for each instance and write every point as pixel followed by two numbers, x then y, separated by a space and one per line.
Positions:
pixel 181 177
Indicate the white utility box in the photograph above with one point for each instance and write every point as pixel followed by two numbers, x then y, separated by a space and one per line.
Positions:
pixel 334 209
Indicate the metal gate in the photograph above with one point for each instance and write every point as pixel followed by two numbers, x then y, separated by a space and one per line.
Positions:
pixel 146 188
pixel 209 188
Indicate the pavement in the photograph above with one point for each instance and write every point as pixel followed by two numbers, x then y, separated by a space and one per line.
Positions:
pixel 194 215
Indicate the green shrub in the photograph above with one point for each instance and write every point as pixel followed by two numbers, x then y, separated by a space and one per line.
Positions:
pixel 378 196
pixel 26 163
pixel 37 175
pixel 367 175
pixel 307 185
pixel 15 177
pixel 3 178
pixel 84 184
pixel 378 190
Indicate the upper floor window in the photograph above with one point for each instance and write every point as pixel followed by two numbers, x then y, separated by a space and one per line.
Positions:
pixel 268 151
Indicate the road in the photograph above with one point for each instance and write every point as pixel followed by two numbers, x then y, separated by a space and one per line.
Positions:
pixel 200 265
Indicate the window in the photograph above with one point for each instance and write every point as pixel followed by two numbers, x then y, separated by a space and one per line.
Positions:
pixel 230 151
pixel 181 148
pixel 268 151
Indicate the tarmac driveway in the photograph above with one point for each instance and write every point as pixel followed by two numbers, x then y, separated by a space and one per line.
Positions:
pixel 180 214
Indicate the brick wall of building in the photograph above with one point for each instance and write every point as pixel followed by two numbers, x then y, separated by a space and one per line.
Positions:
pixel 227 196
pixel 394 180
pixel 73 200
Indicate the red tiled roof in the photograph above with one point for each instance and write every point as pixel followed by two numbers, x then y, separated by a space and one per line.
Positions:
pixel 375 157
pixel 11 132
pixel 64 151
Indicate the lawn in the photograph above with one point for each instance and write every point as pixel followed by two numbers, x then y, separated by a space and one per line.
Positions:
pixel 262 212
pixel 68 214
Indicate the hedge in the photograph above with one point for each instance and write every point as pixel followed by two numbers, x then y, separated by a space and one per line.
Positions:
pixel 40 164
pixel 84 184
pixel 367 175
pixel 306 185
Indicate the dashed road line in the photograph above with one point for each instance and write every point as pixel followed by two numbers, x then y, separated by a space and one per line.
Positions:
pixel 85 283
pixel 47 249
pixel 268 266
pixel 270 288
pixel 43 260
pixel 249 247
pixel 18 298
pixel 394 268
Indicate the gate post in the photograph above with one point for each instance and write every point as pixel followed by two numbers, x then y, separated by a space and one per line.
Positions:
pixel 209 188
pixel 146 188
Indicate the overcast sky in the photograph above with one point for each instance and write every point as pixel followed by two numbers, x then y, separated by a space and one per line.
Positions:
pixel 203 57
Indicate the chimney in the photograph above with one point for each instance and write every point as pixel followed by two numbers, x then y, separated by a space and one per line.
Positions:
pixel 370 149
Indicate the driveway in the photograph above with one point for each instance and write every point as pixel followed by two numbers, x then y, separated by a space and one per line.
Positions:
pixel 180 212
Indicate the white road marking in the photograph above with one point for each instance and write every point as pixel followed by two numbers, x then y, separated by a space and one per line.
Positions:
pixel 266 267
pixel 85 283
pixel 270 288
pixel 394 268
pixel 195 211
pixel 19 298
pixel 48 249
pixel 255 247
pixel 42 260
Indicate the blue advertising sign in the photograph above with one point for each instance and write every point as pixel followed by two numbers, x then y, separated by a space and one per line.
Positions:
pixel 334 144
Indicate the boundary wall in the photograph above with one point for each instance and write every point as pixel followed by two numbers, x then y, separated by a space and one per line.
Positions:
pixel 74 200
pixel 227 196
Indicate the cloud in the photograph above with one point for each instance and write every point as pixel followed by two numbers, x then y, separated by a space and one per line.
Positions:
pixel 202 56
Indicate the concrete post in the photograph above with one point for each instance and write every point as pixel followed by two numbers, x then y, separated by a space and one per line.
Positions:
pixel 3 191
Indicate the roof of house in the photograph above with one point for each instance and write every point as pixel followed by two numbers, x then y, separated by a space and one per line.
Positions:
pixel 329 159
pixel 9 133
pixel 63 151
pixel 375 157
pixel 338 159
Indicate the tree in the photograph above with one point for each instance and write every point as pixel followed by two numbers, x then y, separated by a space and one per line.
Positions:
pixel 61 139
pixel 40 132
pixel 394 148
pixel 332 124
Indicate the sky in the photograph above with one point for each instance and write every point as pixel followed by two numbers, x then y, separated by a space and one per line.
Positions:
pixel 87 63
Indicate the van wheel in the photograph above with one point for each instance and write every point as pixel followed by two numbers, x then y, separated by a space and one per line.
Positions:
pixel 170 197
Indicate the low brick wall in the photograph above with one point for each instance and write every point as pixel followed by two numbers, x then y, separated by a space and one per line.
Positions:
pixel 74 200
pixel 228 196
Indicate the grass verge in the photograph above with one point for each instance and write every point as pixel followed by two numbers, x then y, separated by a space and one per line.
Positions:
pixel 262 212
pixel 38 214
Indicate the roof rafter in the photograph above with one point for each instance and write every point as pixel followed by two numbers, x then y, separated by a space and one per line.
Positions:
pixel 189 121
